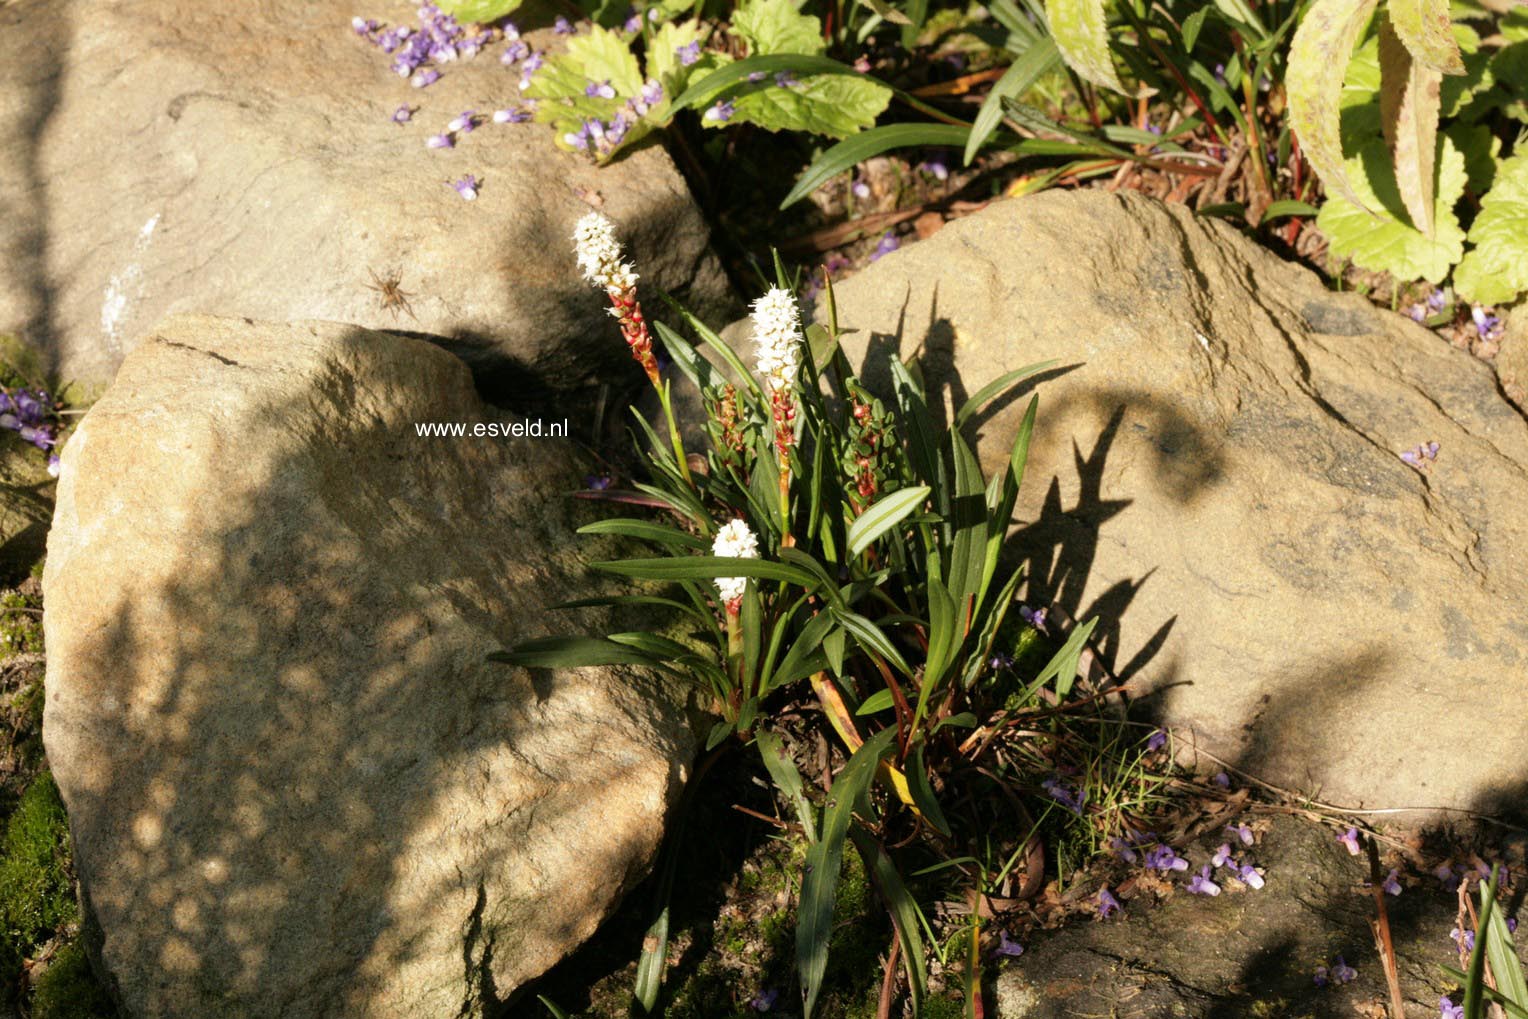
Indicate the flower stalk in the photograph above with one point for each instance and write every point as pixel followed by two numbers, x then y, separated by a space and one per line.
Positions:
pixel 599 256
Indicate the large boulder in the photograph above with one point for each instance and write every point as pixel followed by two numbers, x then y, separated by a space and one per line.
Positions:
pixel 1218 475
pixel 295 785
pixel 177 156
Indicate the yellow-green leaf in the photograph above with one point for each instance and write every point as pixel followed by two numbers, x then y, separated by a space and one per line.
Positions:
pixel 1318 58
pixel 1496 269
pixel 1408 100
pixel 1081 31
pixel 1384 240
pixel 1425 28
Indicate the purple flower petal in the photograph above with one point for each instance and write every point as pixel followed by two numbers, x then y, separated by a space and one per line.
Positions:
pixel 1108 905
pixel 1201 883
pixel 721 112
pixel 1349 838
pixel 425 78
pixel 439 141
pixel 1157 740
pixel 562 26
pixel 688 53
pixel 467 187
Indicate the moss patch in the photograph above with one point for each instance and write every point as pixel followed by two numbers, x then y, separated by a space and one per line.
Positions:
pixel 36 893
pixel 68 990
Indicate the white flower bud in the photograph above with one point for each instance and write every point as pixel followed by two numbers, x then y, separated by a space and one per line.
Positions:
pixel 777 333
pixel 599 254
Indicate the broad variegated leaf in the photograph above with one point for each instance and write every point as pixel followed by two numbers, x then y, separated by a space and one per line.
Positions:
pixel 1408 102
pixel 1318 58
pixel 1081 31
pixel 1427 31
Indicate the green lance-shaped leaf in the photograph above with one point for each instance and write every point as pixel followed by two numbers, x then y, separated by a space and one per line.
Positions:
pixel 883 516
pixel 824 858
pixel 1036 62
pixel 1081 31
pixel 867 144
pixel 1426 29
pixel 1318 58
pixel 1408 101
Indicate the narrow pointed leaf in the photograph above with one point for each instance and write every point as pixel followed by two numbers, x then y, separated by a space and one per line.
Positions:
pixel 902 907
pixel 645 530
pixel 824 859
pixel 986 394
pixel 1039 60
pixel 1426 29
pixel 1081 31
pixel 852 151
pixel 1408 101
pixel 788 780
pixel 706 568
pixel 1318 59
pixel 1063 667
pixel 570 653
pixel 887 513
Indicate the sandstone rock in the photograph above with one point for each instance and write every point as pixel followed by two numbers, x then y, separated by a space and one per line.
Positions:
pixel 1244 952
pixel 1512 360
pixel 1217 476
pixel 166 157
pixel 295 785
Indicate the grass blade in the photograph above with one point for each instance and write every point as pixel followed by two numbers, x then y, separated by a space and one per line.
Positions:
pixel 571 653
pixel 646 530
pixel 788 780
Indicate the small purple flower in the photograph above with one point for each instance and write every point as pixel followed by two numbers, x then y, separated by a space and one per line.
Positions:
pixel 598 482
pixel 721 112
pixel 425 78
pixel 1412 457
pixel 889 243
pixel 756 76
pixel 518 115
pixel 785 79
pixel 861 190
pixel 935 168
pixel 53 465
pixel 1391 885
pixel 467 187
pixel 1069 798
pixel 439 141
pixel 1342 972
pixel 403 114
pixel 1435 301
pixel 1222 856
pixel 1448 1010
pixel 1222 780
pixel 1034 617
pixel 1108 905
pixel 688 53
pixel 1349 838
pixel 616 133
pixel 1000 661
pixel 464 123
pixel 443 52
pixel 1157 740
pixel 1321 977
pixel 1242 832
pixel 599 90
pixel 1431 450
pixel 1201 883
pixel 1464 939
pixel 1124 850
pixel 1418 312
pixel 578 139
pixel 652 92
pixel 1220 73
pixel 1162 857
pixel 1448 876
pixel 530 67
pixel 1486 324
pixel 764 1001
pixel 633 22
pixel 515 52
pixel 1247 874
pixel 1008 948
pixel 562 26
pixel 363 26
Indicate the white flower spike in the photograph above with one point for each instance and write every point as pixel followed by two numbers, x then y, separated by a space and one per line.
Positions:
pixel 599 254
pixel 735 541
pixel 777 332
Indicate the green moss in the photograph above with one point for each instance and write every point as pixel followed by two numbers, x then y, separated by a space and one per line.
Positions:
pixel 20 628
pixel 69 990
pixel 36 893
